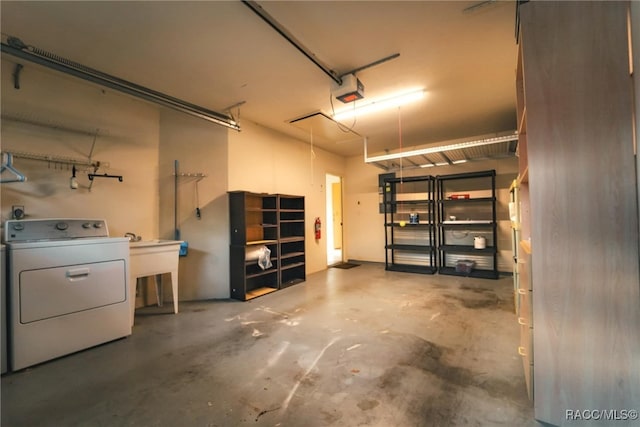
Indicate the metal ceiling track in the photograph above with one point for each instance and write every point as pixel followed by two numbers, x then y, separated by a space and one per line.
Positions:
pixel 258 10
pixel 271 21
pixel 17 48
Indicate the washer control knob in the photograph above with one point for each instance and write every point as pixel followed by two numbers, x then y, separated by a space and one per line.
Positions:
pixel 86 225
pixel 97 225
pixel 62 226
pixel 18 226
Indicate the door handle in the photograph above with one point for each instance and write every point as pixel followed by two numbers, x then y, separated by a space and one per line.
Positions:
pixel 78 273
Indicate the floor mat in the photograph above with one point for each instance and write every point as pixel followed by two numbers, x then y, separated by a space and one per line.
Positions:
pixel 345 265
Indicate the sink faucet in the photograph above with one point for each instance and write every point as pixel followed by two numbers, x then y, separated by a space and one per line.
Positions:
pixel 132 237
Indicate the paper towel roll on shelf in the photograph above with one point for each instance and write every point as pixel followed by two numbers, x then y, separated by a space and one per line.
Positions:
pixel 261 254
pixel 253 253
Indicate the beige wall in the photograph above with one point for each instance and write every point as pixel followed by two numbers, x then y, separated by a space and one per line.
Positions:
pixel 364 226
pixel 127 139
pixel 262 160
pixel 141 143
pixel 199 147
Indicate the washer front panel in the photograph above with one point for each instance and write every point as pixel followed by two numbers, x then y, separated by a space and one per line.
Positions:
pixel 50 292
pixel 66 296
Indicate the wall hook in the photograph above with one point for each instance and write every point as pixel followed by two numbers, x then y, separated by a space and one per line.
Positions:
pixel 7 165
pixel 16 75
pixel 93 175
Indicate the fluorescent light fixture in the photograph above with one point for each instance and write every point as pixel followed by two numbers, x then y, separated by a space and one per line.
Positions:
pixel 442 164
pixel 393 101
pixel 457 162
pixel 428 165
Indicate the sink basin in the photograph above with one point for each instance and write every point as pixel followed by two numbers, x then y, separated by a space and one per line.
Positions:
pixel 154 257
pixel 154 242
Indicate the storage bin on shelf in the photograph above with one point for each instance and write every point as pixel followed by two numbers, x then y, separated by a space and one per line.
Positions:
pixel 465 266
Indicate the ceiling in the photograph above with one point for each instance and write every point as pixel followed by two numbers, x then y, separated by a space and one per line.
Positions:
pixel 217 54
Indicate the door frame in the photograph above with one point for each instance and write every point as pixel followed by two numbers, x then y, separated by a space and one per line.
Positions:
pixel 334 256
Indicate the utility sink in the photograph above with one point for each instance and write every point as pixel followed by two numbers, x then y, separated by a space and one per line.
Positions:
pixel 153 242
pixel 154 257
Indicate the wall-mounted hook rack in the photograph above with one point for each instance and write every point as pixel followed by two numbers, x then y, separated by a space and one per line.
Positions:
pixel 191 175
pixel 61 160
pixel 104 175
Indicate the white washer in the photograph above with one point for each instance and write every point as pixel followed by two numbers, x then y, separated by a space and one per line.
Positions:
pixel 3 311
pixel 68 288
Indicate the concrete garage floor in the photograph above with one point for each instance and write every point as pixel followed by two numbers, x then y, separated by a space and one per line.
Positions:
pixel 346 348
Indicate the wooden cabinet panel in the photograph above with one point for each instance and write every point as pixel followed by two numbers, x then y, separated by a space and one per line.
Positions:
pixel 291 240
pixel 524 270
pixel 526 352
pixel 584 218
pixel 261 222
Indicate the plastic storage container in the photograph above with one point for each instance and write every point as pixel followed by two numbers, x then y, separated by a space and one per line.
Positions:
pixel 464 266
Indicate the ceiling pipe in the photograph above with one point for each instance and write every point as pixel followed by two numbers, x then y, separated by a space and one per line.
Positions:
pixel 372 64
pixel 18 49
pixel 258 10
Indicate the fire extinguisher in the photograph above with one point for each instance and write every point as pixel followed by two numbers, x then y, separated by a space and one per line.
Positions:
pixel 318 228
